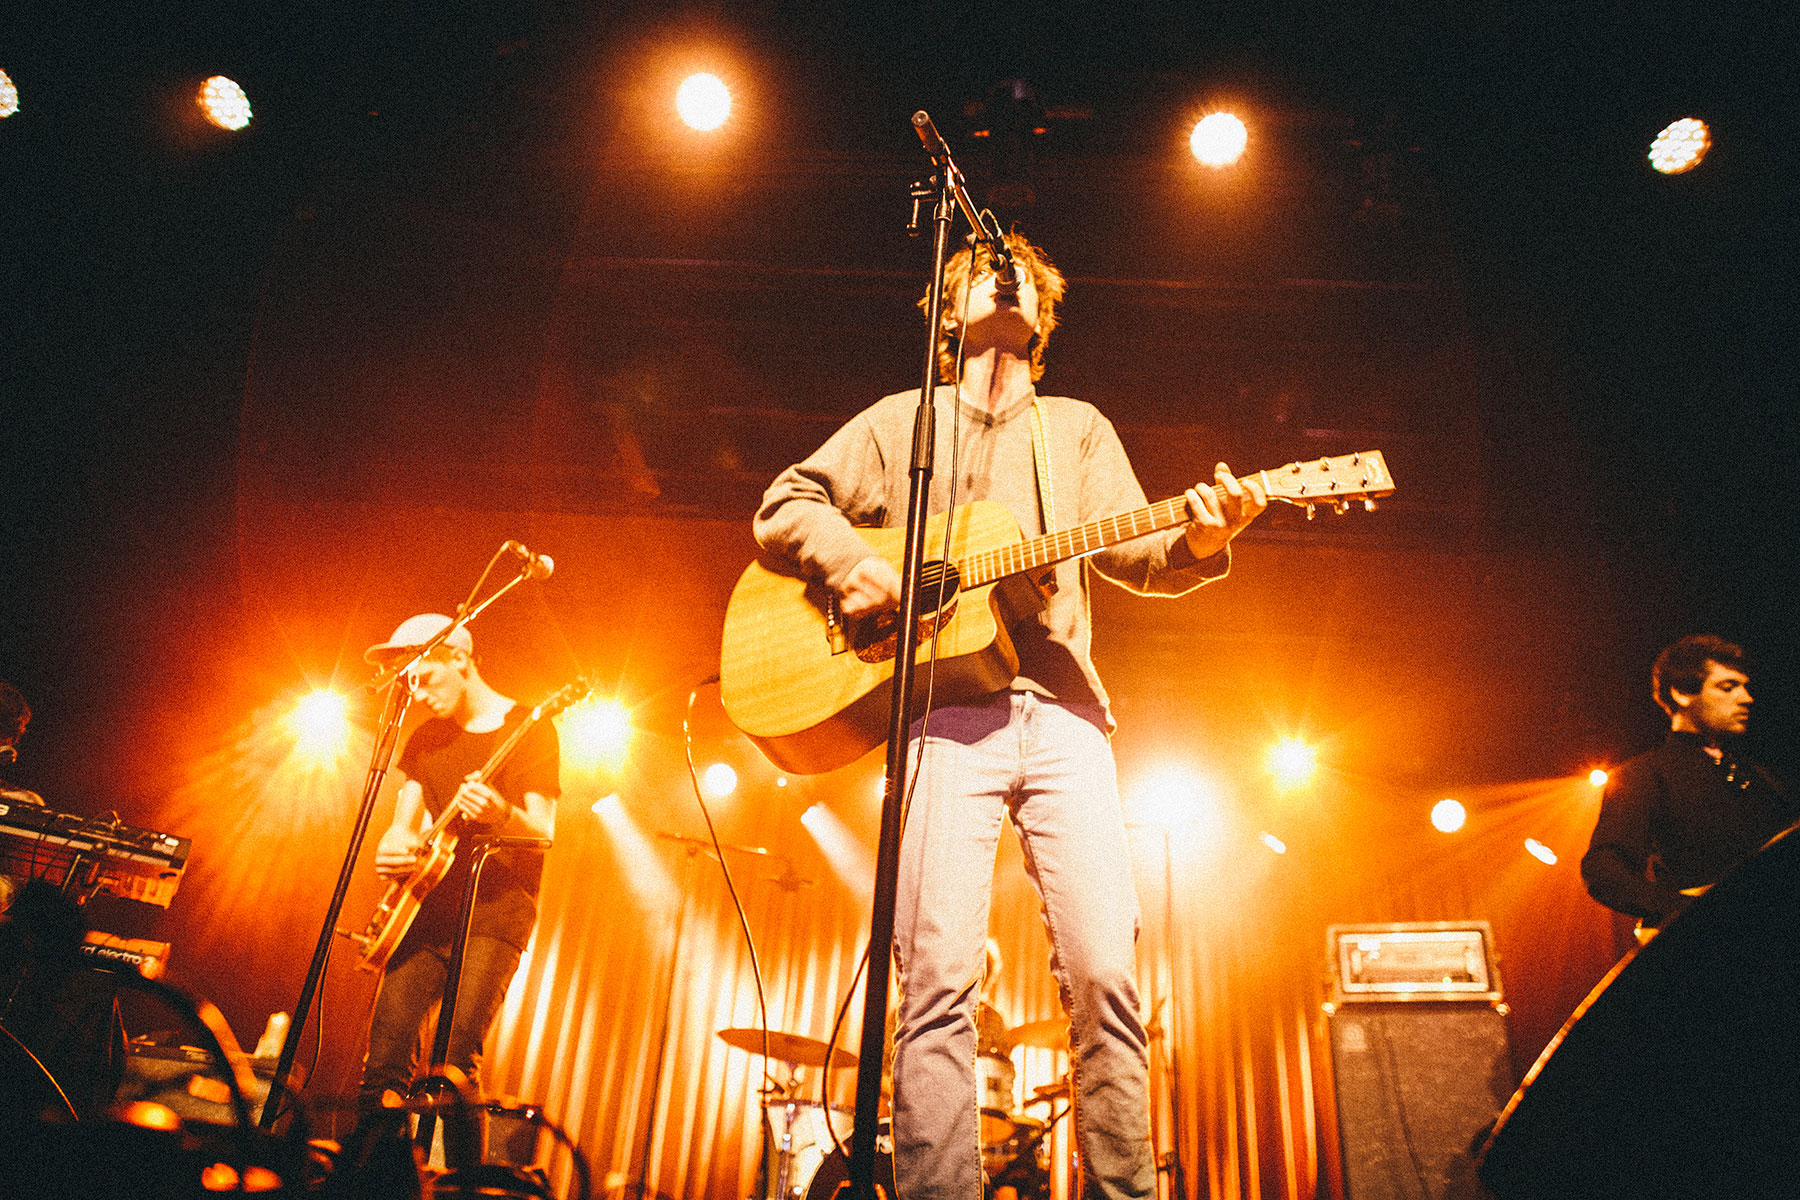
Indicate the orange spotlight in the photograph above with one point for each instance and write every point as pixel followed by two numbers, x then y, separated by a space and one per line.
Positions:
pixel 1448 816
pixel 850 860
pixel 1219 139
pixel 1541 852
pixel 1680 146
pixel 321 725
pixel 1597 777
pixel 596 734
pixel 1172 796
pixel 646 877
pixel 1292 762
pixel 224 103
pixel 9 95
pixel 1273 843
pixel 719 781
pixel 703 102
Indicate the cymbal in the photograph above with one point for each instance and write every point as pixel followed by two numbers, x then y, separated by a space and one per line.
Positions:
pixel 1052 1033
pixel 795 1048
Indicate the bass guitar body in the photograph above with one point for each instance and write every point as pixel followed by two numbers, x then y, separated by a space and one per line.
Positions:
pixel 813 691
pixel 401 902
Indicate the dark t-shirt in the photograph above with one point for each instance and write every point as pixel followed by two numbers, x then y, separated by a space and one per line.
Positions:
pixel 1673 818
pixel 438 757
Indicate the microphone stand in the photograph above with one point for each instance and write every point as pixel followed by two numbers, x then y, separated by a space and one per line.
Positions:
pixel 386 738
pixel 948 190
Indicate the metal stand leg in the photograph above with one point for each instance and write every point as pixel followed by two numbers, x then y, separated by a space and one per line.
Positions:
pixel 480 848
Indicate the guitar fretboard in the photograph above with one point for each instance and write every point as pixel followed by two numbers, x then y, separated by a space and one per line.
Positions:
pixel 991 565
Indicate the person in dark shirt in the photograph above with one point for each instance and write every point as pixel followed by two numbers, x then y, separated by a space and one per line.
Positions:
pixel 15 715
pixel 441 767
pixel 1675 819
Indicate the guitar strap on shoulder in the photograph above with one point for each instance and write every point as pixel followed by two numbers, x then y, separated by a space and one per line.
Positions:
pixel 1040 453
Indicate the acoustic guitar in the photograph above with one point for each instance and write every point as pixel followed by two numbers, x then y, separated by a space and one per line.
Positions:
pixel 400 903
pixel 811 689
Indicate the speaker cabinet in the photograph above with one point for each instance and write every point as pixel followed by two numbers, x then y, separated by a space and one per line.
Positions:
pixel 1679 1075
pixel 1416 1088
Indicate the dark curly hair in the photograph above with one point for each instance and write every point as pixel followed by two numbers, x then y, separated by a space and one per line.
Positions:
pixel 1682 667
pixel 1044 276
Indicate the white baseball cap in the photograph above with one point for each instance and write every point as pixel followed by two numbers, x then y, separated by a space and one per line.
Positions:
pixel 415 632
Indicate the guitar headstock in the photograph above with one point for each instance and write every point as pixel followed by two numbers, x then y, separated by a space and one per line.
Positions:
pixel 566 696
pixel 1335 481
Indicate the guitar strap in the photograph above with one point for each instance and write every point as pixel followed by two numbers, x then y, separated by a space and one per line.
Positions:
pixel 1040 453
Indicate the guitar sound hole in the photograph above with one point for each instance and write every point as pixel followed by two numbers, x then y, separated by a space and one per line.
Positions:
pixel 874 638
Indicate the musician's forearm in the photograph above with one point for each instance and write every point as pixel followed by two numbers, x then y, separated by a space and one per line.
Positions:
pixel 537 819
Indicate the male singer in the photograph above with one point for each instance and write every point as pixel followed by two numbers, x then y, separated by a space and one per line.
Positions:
pixel 1036 750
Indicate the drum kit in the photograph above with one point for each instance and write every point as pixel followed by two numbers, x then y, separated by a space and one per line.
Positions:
pixel 805 1140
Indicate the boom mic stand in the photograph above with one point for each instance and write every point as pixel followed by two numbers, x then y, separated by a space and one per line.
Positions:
pixel 948 190
pixel 387 736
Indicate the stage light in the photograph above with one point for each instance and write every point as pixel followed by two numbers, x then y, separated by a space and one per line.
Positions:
pixel 222 1177
pixel 1680 146
pixel 1597 777
pixel 1448 816
pixel 646 876
pixel 1274 843
pixel 703 102
pixel 596 733
pixel 1219 139
pixel 781 781
pixel 9 96
pixel 1177 798
pixel 321 725
pixel 1292 762
pixel 850 860
pixel 1541 852
pixel 224 103
pixel 719 781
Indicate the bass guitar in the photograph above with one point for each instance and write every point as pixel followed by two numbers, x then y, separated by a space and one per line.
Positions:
pixel 400 903
pixel 811 688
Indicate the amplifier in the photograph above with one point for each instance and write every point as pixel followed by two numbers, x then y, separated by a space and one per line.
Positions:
pixel 1413 960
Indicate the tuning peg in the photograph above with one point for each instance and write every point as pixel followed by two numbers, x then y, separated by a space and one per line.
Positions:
pixel 1340 507
pixel 1368 504
pixel 1311 511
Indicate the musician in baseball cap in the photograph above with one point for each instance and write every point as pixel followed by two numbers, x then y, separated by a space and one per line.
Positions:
pixel 448 763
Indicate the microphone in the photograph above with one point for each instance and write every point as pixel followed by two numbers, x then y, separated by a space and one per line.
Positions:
pixel 537 566
pixel 934 142
pixel 987 229
pixel 1006 271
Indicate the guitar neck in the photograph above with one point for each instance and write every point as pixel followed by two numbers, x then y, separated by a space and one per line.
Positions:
pixel 489 769
pixel 991 565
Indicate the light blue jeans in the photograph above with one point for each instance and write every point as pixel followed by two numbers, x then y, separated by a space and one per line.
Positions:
pixel 1051 767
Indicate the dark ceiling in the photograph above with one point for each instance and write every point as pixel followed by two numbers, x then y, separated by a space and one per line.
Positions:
pixel 462 252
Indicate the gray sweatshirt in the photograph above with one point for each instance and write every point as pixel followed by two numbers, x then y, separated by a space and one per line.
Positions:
pixel 859 477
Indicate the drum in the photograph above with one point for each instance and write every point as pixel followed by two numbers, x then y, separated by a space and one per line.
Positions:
pixel 799 1141
pixel 1020 1161
pixel 994 1093
pixel 835 1172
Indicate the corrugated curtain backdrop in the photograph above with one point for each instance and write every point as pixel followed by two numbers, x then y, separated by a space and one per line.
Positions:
pixel 639 962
